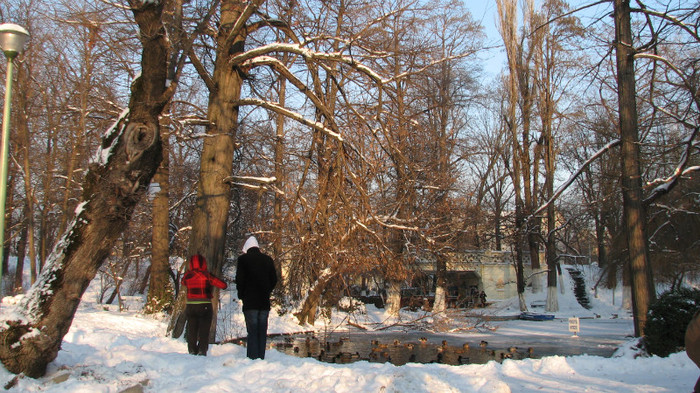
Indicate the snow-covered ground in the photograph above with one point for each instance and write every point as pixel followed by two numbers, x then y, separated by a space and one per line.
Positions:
pixel 111 351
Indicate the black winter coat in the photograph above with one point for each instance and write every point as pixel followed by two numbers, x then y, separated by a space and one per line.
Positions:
pixel 256 277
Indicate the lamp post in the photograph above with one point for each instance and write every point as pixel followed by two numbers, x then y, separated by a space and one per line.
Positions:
pixel 12 40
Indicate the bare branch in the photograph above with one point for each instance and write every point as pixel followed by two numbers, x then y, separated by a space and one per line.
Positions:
pixel 309 55
pixel 670 18
pixel 573 177
pixel 292 115
pixel 284 71
pixel 250 8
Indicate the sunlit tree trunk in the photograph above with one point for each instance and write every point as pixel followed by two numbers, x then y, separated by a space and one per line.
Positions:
pixel 280 176
pixel 160 291
pixel 634 216
pixel 508 28
pixel 112 188
pixel 211 213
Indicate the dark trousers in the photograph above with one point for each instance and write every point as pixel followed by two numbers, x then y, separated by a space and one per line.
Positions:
pixel 256 324
pixel 198 324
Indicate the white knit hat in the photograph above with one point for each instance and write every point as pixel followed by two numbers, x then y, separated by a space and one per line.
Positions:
pixel 250 243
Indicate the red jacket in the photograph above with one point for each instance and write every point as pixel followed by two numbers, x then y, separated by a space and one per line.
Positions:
pixel 199 281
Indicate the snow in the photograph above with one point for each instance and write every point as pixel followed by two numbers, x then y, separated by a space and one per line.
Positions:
pixel 111 351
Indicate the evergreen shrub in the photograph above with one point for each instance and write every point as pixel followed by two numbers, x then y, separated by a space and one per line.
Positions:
pixel 667 320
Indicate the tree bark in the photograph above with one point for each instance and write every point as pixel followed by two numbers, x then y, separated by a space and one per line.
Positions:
pixel 440 302
pixel 643 291
pixel 113 186
pixel 211 213
pixel 160 292
pixel 508 29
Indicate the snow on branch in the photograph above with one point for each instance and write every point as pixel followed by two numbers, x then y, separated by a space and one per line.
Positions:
pixel 254 183
pixel 292 115
pixel 434 63
pixel 252 179
pixel 301 86
pixel 663 186
pixel 573 177
pixel 383 222
pixel 307 54
pixel 110 138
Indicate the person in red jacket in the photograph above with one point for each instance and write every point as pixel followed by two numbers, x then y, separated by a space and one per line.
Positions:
pixel 199 310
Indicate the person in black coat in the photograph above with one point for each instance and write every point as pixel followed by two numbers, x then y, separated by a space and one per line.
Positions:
pixel 256 277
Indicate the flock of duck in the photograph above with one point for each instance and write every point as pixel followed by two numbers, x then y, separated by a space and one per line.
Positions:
pixel 396 352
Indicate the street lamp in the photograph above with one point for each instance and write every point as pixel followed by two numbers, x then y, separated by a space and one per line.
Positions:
pixel 12 40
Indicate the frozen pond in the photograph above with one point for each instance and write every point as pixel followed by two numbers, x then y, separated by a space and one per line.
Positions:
pixel 515 339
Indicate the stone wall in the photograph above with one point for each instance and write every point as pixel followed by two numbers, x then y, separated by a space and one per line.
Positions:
pixel 495 269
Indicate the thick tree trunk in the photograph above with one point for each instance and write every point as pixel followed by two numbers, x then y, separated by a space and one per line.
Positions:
pixel 129 156
pixel 634 216
pixel 160 290
pixel 211 213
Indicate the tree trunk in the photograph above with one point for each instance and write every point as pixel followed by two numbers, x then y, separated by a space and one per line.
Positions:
pixel 393 298
pixel 643 291
pixel 519 268
pixel 21 252
pixel 547 113
pixel 508 29
pixel 552 299
pixel 160 292
pixel 211 213
pixel 112 188
pixel 23 127
pixel 280 176
pixel 440 303
pixel 8 227
pixel 309 307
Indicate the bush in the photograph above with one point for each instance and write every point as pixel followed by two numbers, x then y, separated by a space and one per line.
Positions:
pixel 667 320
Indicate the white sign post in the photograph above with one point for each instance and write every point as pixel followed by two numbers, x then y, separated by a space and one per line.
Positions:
pixel 574 326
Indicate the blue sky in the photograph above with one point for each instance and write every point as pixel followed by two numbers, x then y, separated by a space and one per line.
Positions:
pixel 485 11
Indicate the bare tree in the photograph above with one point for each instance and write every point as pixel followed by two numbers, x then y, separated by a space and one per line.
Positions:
pixel 634 215
pixel 113 186
pixel 552 68
pixel 508 29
